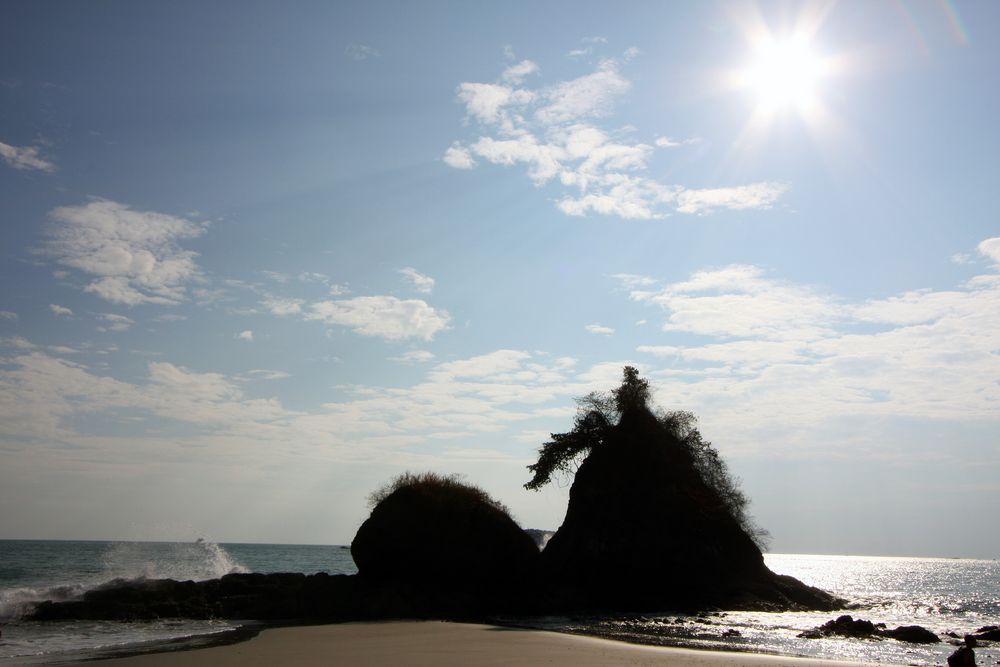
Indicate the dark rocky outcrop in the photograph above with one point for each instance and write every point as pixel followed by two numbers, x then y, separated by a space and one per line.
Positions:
pixel 990 633
pixel 234 596
pixel 844 626
pixel 446 547
pixel 847 626
pixel 644 531
pixel 913 634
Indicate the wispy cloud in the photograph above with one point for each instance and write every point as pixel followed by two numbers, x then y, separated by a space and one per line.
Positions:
pixel 25 158
pixel 599 329
pixel 58 310
pixel 283 306
pixel 382 316
pixel 264 374
pixel 413 357
pixel 361 52
pixel 553 132
pixel 420 282
pixel 667 142
pixel 777 348
pixel 516 73
pixel 246 335
pixel 134 256
pixel 634 280
pixel 113 322
pixel 458 157
pixel 8 315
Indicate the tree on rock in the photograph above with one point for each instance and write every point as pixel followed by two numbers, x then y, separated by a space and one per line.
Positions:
pixel 600 412
pixel 655 518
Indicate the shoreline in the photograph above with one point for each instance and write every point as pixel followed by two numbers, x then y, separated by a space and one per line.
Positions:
pixel 428 644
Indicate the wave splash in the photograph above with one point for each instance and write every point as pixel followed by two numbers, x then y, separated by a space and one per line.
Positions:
pixel 127 561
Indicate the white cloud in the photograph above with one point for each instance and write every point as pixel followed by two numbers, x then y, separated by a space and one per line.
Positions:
pixel 487 102
pixel 990 248
pixel 738 301
pixel 413 357
pixel 17 343
pixel 779 350
pixel 757 196
pixel 277 276
pixel 246 335
pixel 496 365
pixel 599 329
pixel 588 95
pixel 459 157
pixel 133 254
pixel 633 280
pixel 382 316
pixel 58 310
pixel 543 159
pixel 420 282
pixel 7 315
pixel 283 307
pixel 25 158
pixel 114 322
pixel 313 277
pixel 516 73
pixel 361 52
pixel 553 132
pixel 667 142
pixel 264 374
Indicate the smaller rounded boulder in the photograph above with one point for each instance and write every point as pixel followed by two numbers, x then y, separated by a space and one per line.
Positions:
pixel 435 531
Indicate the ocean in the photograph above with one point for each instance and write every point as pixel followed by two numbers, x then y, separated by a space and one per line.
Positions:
pixel 944 595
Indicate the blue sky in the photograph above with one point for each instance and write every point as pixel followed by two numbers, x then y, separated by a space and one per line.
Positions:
pixel 258 258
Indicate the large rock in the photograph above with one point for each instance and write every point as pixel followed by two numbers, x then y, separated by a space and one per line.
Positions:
pixel 644 531
pixel 447 548
pixel 844 626
pixel 989 633
pixel 913 634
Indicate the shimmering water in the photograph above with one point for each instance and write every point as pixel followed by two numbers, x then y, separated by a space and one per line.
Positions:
pixel 943 595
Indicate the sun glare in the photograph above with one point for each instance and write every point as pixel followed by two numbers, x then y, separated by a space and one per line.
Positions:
pixel 784 75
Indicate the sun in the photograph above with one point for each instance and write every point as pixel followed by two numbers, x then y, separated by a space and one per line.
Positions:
pixel 784 74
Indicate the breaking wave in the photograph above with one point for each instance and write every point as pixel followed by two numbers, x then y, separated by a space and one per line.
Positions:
pixel 196 561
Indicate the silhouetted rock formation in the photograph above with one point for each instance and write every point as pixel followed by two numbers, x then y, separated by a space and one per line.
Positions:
pixel 990 633
pixel 846 626
pixel 913 634
pixel 446 547
pixel 644 531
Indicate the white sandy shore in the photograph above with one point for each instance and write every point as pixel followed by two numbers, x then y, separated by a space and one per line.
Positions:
pixel 438 644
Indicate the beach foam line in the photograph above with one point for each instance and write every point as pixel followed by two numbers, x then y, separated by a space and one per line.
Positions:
pixel 442 644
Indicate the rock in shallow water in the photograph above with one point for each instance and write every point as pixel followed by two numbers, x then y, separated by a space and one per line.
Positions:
pixel 847 626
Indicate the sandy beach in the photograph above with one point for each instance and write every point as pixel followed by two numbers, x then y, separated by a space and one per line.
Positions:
pixel 440 644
